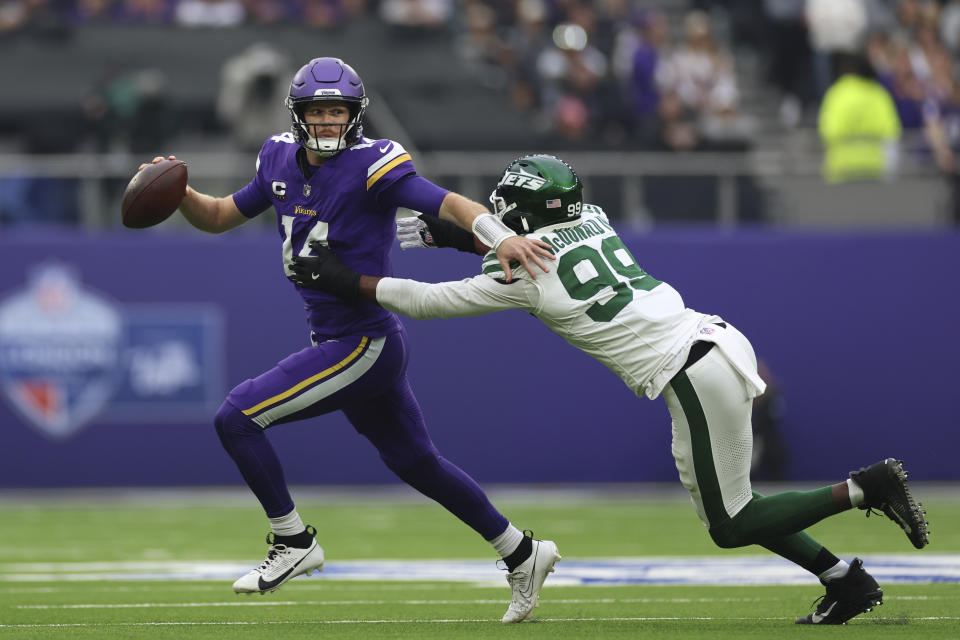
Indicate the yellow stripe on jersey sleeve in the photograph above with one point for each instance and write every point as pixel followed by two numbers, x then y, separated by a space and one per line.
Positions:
pixel 385 168
pixel 305 383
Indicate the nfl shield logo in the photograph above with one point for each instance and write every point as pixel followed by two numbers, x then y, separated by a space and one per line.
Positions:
pixel 306 190
pixel 59 351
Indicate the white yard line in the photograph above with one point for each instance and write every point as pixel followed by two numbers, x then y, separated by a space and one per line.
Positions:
pixel 692 571
pixel 428 621
pixel 297 603
pixel 341 603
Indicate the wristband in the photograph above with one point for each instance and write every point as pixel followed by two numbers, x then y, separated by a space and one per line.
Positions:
pixel 490 230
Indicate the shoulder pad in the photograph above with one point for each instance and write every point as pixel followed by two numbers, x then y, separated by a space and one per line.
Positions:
pixel 281 138
pixel 277 144
pixel 376 147
pixel 382 156
pixel 593 209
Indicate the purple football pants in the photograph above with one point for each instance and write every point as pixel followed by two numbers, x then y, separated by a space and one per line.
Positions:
pixel 366 379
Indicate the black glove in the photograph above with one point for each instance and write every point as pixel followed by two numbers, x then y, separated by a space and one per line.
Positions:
pixel 324 272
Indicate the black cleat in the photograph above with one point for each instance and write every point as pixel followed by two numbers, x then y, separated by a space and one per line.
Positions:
pixel 846 597
pixel 885 488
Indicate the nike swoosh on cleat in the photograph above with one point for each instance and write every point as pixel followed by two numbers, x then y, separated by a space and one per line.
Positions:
pixel 533 571
pixel 904 524
pixel 817 618
pixel 263 585
pixel 314 275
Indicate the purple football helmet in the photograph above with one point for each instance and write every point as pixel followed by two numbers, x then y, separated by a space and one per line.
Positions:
pixel 333 80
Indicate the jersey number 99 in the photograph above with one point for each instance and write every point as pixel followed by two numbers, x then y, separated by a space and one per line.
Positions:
pixel 615 258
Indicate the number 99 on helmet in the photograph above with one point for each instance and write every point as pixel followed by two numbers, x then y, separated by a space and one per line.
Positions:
pixel 537 191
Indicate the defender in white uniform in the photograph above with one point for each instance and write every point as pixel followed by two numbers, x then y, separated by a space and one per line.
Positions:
pixel 601 301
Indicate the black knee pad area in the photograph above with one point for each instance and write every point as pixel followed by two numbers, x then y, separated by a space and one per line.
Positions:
pixel 231 423
pixel 727 536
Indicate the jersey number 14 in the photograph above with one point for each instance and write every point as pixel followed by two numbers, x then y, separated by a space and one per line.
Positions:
pixel 318 233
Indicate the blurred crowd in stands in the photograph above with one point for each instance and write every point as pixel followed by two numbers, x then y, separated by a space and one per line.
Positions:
pixel 642 74
pixel 609 71
pixel 621 74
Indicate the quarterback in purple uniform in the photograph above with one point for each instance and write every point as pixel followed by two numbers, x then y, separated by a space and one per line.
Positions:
pixel 332 186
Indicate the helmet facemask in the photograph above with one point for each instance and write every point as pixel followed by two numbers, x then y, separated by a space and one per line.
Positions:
pixel 500 206
pixel 333 80
pixel 350 132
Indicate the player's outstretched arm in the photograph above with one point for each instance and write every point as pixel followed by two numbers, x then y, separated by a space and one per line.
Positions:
pixel 324 272
pixel 493 233
pixel 205 212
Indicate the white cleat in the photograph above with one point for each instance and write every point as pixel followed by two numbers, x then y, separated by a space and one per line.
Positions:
pixel 527 580
pixel 281 564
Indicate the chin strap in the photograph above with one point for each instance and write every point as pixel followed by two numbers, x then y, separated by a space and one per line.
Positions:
pixel 333 146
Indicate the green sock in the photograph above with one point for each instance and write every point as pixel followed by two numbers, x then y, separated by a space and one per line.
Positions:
pixel 785 516
pixel 782 514
pixel 801 549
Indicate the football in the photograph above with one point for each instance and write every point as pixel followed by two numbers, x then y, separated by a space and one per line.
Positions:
pixel 154 194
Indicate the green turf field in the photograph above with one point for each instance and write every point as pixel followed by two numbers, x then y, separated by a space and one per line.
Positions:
pixel 54 549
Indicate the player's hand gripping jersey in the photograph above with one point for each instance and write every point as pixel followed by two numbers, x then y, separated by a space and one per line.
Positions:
pixel 339 205
pixel 596 297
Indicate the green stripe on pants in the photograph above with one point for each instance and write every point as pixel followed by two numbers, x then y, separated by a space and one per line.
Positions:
pixel 703 465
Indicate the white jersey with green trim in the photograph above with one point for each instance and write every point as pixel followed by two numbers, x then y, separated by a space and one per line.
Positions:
pixel 595 296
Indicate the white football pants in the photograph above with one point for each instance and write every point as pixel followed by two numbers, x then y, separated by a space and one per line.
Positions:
pixel 711 406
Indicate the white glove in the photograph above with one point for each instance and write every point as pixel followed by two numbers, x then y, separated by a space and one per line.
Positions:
pixel 412 232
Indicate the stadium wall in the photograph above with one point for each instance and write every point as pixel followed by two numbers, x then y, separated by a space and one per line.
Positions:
pixel 116 349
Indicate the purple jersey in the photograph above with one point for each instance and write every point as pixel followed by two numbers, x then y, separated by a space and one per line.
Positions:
pixel 340 205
